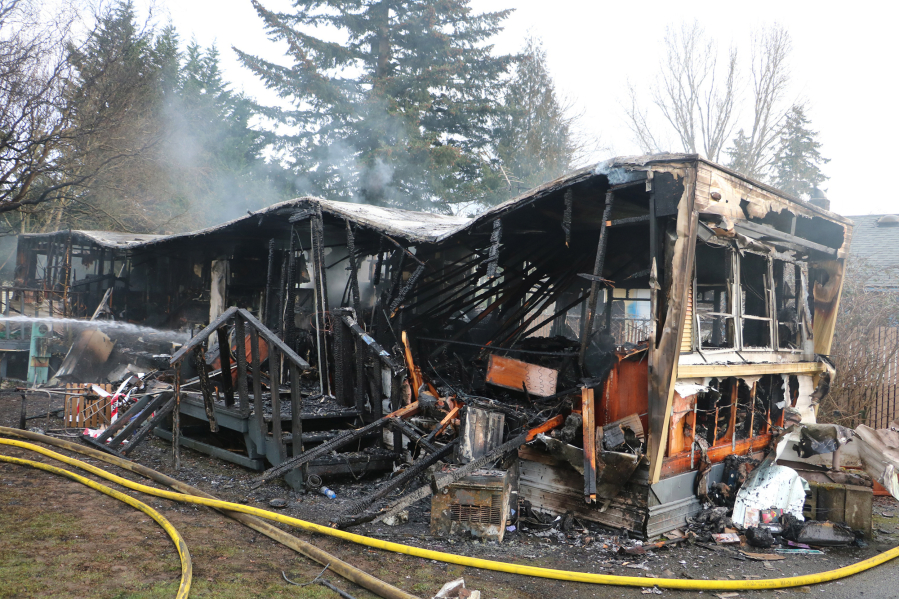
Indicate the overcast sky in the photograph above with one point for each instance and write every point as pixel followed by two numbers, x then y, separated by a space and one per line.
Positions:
pixel 841 64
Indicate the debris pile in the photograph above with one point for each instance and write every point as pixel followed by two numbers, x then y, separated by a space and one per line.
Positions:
pixel 629 346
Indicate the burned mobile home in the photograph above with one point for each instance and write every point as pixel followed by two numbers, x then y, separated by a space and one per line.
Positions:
pixel 601 341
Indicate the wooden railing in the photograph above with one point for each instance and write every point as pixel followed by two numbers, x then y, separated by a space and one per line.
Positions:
pixel 243 323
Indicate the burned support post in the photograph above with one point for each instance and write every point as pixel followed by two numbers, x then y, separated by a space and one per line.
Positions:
pixel 296 415
pixel 242 391
pixel 289 331
pixel 357 309
pixel 23 413
pixel 396 401
pixel 203 379
pixel 732 424
pixel 496 237
pixel 256 363
pixel 589 430
pixel 176 420
pixel 343 355
pixel 282 296
pixel 566 216
pixel 316 226
pixel 587 325
pixel 267 303
pixel 274 374
pixel 225 356
pixel 354 271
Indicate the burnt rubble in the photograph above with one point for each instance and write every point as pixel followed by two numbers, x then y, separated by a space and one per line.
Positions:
pixel 627 347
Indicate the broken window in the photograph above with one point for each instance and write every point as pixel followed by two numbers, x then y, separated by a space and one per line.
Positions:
pixel 755 309
pixel 786 293
pixel 713 305
pixel 630 315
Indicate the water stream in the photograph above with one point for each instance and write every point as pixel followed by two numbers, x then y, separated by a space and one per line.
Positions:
pixel 112 328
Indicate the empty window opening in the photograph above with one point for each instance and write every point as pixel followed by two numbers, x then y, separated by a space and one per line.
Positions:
pixel 756 314
pixel 713 301
pixel 630 315
pixel 786 296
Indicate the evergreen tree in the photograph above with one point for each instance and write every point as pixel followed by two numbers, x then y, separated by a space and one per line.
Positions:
pixel 171 146
pixel 798 160
pixel 401 112
pixel 739 155
pixel 535 140
pixel 123 75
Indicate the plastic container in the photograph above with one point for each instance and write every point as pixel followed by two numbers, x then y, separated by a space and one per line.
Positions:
pixel 328 493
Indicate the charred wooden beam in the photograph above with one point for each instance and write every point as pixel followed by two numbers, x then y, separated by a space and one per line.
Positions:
pixel 134 422
pixel 553 423
pixel 587 326
pixel 205 388
pixel 289 330
pixel 151 424
pixel 225 356
pixel 256 364
pixel 176 421
pixel 405 289
pixel 242 391
pixel 267 298
pixel 348 518
pixel 274 373
pixel 755 229
pixel 555 315
pixel 120 423
pixel 443 423
pixel 417 439
pixel 335 443
pixel 375 347
pixel 316 225
pixel 401 247
pixel 379 263
pixel 566 216
pixel 633 220
pixel 495 239
pixel 296 417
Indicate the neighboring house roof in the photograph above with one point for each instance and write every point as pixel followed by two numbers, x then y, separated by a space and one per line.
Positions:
pixel 875 239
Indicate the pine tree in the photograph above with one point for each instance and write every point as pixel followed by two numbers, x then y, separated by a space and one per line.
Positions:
pixel 171 145
pixel 122 75
pixel 401 112
pixel 535 139
pixel 798 160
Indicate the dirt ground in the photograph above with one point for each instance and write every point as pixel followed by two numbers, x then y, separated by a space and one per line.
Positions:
pixel 61 539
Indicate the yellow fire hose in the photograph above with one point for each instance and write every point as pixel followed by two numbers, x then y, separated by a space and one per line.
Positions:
pixel 180 545
pixel 670 583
